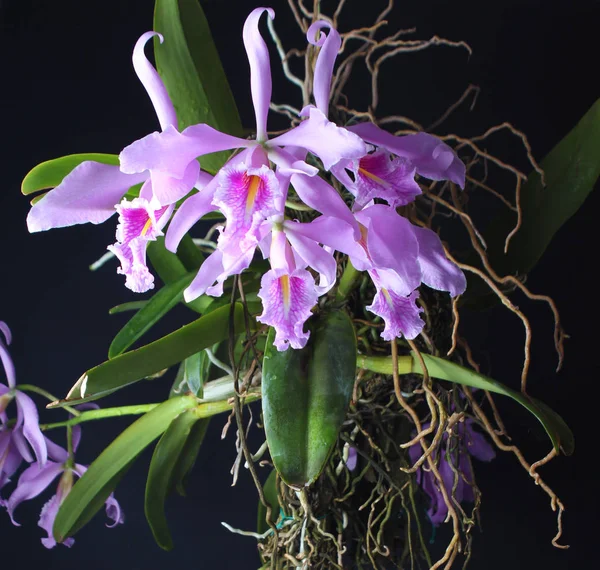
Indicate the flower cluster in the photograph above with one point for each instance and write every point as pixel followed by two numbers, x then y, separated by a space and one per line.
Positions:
pixel 18 438
pixel 377 170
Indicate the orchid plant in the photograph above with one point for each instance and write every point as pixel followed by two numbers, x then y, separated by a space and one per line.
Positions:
pixel 320 296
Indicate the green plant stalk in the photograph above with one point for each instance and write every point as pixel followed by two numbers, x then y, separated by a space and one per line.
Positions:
pixel 203 410
pixel 348 281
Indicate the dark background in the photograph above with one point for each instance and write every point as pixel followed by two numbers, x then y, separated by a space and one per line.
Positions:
pixel 68 86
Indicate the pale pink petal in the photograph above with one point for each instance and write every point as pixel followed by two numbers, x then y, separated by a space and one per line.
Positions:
pixel 168 190
pixel 87 194
pixel 171 152
pixel 323 138
pixel 9 367
pixel 153 83
pixel 392 244
pixel 330 46
pixel 321 196
pixel 189 213
pixel 438 271
pixel 433 158
pixel 31 483
pixel 27 415
pixel 314 256
pixel 260 69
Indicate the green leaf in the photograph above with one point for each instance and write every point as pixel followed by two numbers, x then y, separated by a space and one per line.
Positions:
pixel 571 170
pixel 89 493
pixel 50 174
pixel 188 456
pixel 190 67
pixel 556 428
pixel 305 397
pixel 270 491
pixel 156 308
pixel 160 475
pixel 125 307
pixel 170 269
pixel 152 358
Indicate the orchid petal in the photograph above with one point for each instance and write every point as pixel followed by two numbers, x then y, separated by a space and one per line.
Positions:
pixel 321 196
pixel 476 444
pixel 87 194
pixel 10 458
pixel 246 196
pixel 209 272
pixel 352 459
pixel 171 152
pixel 323 138
pixel 27 414
pixel 287 163
pixel 400 313
pixel 287 302
pixel 438 271
pixel 315 256
pixel 132 256
pixel 114 512
pixel 260 69
pixel 280 255
pixel 380 175
pixel 5 330
pixel 58 453
pixel 168 190
pixel 9 367
pixel 330 46
pixel 153 83
pixel 392 244
pixel 46 522
pixel 433 158
pixel 189 213
pixel 334 233
pixel 31 483
pixel 21 444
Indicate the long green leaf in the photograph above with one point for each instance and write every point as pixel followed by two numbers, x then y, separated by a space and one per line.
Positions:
pixel 156 308
pixel 306 393
pixel 190 67
pixel 96 484
pixel 558 431
pixel 50 174
pixel 160 475
pixel 188 456
pixel 159 355
pixel 171 268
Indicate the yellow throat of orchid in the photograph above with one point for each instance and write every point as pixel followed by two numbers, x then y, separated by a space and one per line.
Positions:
pixel 253 188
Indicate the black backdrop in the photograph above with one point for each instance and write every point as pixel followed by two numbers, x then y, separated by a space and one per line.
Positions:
pixel 67 86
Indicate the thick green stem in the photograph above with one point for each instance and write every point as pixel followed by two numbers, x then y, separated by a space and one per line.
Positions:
pixel 348 281
pixel 385 364
pixel 101 414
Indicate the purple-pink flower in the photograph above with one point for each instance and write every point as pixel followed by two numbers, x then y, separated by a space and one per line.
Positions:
pixel 93 192
pixel 35 480
pixel 17 439
pixel 452 456
pixel 251 190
